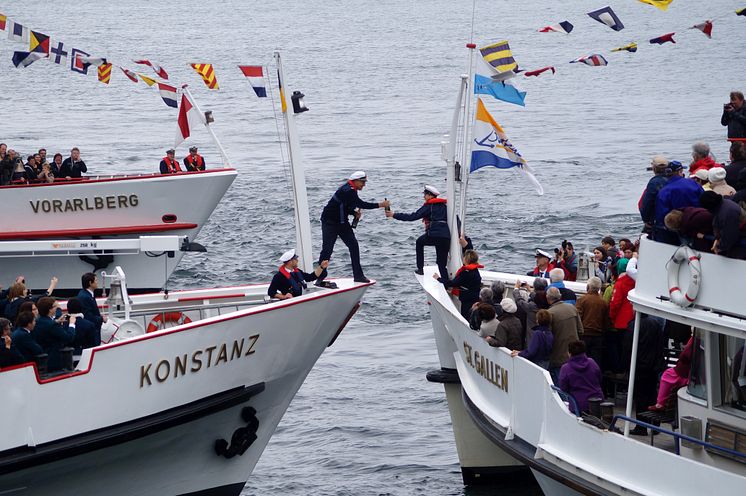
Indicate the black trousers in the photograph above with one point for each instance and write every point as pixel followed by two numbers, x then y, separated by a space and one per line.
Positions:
pixel 329 234
pixel 441 245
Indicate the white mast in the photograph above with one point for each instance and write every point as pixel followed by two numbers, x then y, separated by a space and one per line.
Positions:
pixel 203 119
pixel 454 260
pixel 466 158
pixel 298 179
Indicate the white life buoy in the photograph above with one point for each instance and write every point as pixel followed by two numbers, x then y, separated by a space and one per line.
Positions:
pixel 684 254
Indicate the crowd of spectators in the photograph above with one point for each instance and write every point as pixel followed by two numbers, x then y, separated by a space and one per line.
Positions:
pixel 35 327
pixel 36 168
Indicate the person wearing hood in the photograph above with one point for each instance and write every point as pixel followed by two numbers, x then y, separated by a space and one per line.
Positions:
pixel 701 158
pixel 737 163
pixel 509 332
pixel 726 225
pixel 466 283
pixel 290 281
pixel 541 342
pixel 335 222
pixel 716 177
pixel 678 192
pixel 580 376
pixel 434 215
pixel 692 224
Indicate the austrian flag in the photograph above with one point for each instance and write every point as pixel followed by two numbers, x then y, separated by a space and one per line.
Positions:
pixel 255 75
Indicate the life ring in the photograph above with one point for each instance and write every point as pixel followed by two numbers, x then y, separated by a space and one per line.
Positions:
pixel 160 320
pixel 684 254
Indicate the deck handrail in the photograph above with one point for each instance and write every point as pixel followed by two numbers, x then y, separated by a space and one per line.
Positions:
pixel 677 436
pixel 572 399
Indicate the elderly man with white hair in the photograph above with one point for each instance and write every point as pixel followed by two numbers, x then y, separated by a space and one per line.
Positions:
pixel 566 328
pixel 701 158
pixel 557 280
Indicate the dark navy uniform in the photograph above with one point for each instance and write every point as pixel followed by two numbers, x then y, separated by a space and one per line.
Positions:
pixel 437 234
pixel 26 345
pixel 72 169
pixel 90 308
pixel 52 337
pixel 169 166
pixel 335 223
pixel 286 282
pixel 467 283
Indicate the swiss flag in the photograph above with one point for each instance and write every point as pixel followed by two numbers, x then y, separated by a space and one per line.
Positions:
pixel 188 117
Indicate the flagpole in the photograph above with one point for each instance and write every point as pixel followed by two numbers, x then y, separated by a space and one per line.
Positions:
pixel 298 181
pixel 466 159
pixel 202 118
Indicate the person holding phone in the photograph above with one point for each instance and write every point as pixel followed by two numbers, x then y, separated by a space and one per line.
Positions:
pixel 734 116
pixel 53 334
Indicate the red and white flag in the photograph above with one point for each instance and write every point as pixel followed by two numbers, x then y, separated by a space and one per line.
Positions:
pixel 188 118
pixel 156 68
pixel 131 75
pixel 705 27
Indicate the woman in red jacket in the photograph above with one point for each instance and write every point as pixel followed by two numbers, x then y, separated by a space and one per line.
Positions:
pixel 620 313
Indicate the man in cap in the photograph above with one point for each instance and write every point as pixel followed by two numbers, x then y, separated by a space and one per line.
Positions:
pixel 194 161
pixel 647 202
pixel 435 217
pixel 543 266
pixel 169 165
pixel 679 192
pixel 335 223
pixel 289 280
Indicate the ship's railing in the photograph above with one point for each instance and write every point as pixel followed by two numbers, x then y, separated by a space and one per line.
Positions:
pixel 109 177
pixel 678 437
pixel 569 398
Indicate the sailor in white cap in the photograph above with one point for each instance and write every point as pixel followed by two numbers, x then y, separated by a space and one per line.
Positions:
pixel 335 222
pixel 194 161
pixel 434 215
pixel 542 265
pixel 289 280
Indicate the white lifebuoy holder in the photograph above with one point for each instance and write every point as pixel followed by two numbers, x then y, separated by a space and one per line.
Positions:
pixel 173 318
pixel 681 255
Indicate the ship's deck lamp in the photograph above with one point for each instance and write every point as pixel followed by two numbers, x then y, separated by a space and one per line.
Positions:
pixel 298 103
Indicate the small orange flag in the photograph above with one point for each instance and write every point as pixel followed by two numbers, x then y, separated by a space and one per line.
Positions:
pixel 207 73
pixel 104 73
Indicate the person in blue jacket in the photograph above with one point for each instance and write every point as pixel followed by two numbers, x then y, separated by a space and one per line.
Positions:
pixel 289 280
pixel 647 202
pixel 51 334
pixel 23 338
pixel 434 215
pixel 679 192
pixel 335 222
pixel 88 300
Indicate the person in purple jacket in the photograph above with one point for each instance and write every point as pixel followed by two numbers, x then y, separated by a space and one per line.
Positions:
pixel 542 339
pixel 580 376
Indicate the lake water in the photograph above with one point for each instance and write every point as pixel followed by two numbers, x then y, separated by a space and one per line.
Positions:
pixel 380 79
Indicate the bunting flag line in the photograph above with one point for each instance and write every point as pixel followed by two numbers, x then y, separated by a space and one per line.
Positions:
pixel 632 47
pixel 539 71
pixel 188 118
pixel 104 72
pixel 17 32
pixel 594 60
pixel 563 27
pixel 38 42
pixel 705 27
pixel 147 80
pixel 499 57
pixel 283 103
pixel 666 38
pixel 25 59
pixel 608 17
pixel 168 93
pixel 255 75
pixel 500 90
pixel 77 64
pixel 208 75
pixel 94 61
pixel 57 53
pixel 156 68
pixel 491 147
pixel 661 4
pixel 3 21
pixel 132 76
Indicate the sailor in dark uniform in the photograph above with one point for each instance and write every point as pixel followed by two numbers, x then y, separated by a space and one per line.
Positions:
pixel 289 280
pixel 435 217
pixel 335 223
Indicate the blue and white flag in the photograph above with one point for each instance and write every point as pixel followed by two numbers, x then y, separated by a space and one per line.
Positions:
pixel 25 59
pixel 608 17
pixel 491 147
pixel 501 90
pixel 17 32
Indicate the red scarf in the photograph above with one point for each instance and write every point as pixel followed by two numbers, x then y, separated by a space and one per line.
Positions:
pixel 431 201
pixel 473 266
pixel 285 272
pixel 352 184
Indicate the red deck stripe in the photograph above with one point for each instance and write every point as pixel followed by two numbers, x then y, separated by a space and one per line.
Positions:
pixel 95 231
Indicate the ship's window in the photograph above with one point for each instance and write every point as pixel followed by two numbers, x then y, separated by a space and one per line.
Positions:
pixel 697 376
pixel 733 372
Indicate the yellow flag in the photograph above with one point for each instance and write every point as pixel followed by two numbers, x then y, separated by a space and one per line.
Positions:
pixel 661 4
pixel 148 81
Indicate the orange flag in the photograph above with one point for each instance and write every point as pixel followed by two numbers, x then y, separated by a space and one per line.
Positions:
pixel 207 73
pixel 104 73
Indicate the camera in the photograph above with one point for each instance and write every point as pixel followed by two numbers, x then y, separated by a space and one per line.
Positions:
pixel 564 244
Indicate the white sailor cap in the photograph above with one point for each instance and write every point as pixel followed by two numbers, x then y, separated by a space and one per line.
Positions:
pixel 542 253
pixel 432 190
pixel 358 176
pixel 288 256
